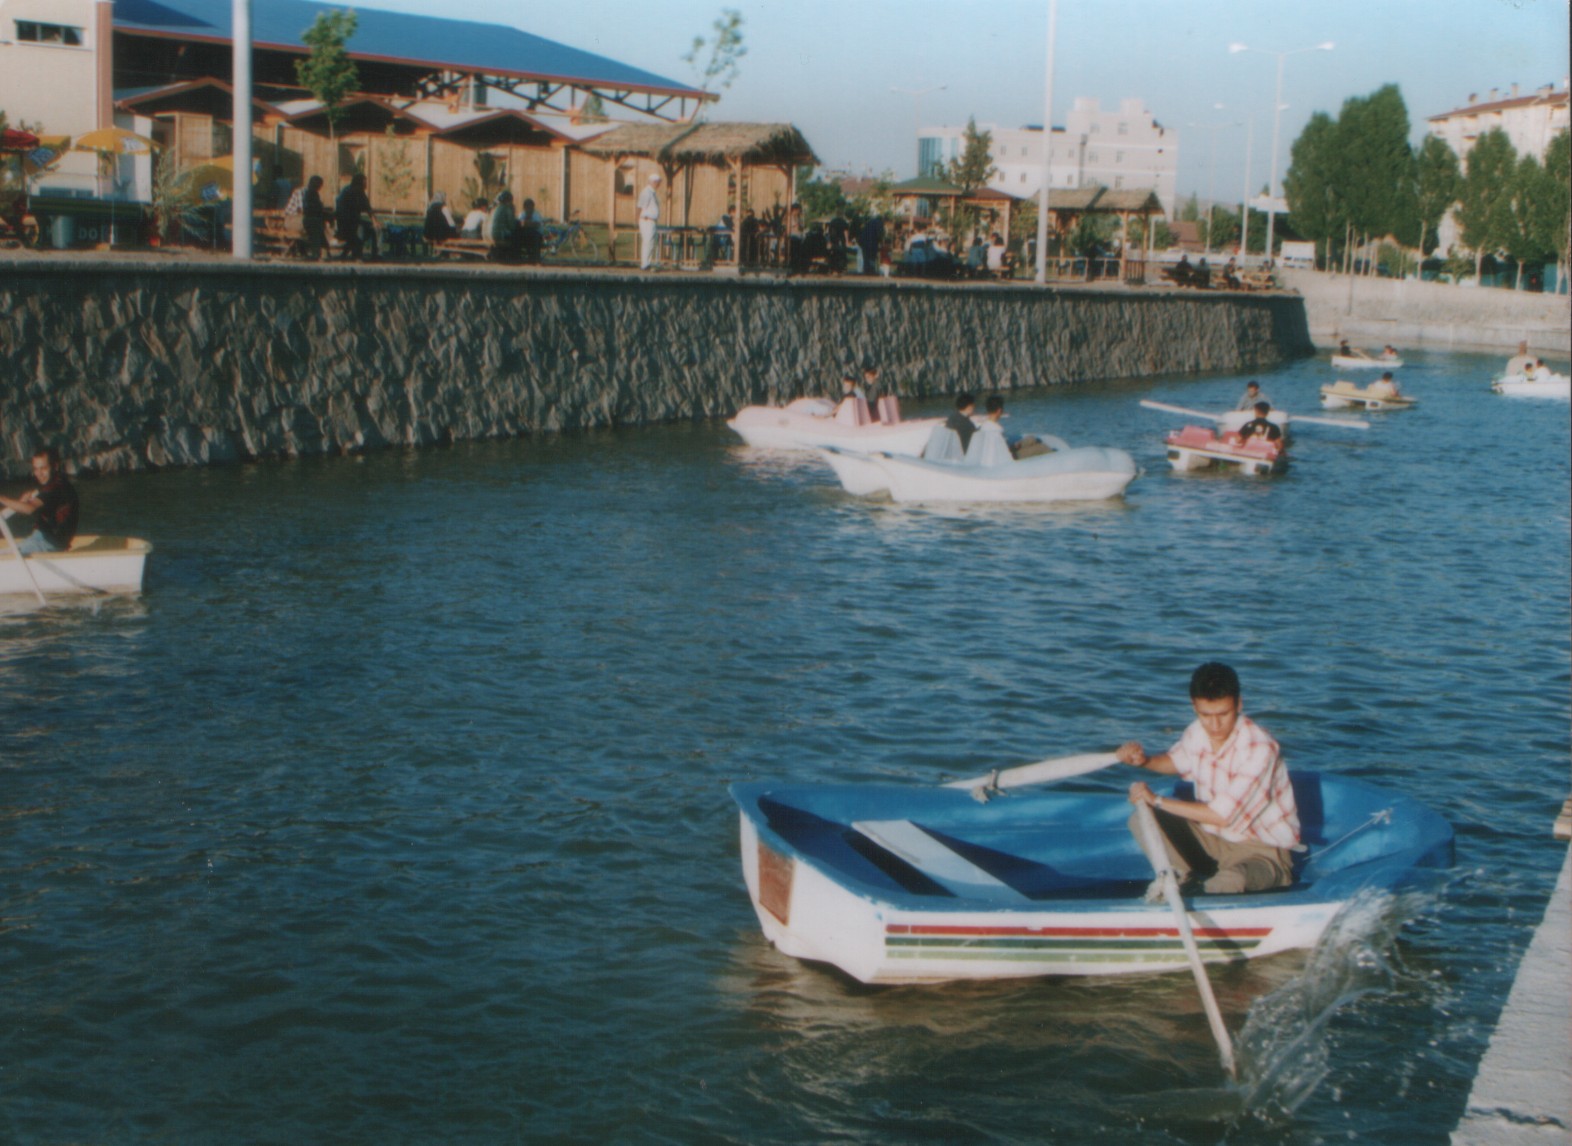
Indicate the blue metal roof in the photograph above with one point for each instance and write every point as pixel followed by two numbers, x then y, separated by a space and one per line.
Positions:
pixel 426 41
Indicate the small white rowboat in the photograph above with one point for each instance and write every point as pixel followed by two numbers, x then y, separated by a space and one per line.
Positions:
pixel 1347 396
pixel 1361 362
pixel 808 423
pixel 1084 473
pixel 1544 385
pixel 93 564
pixel 906 884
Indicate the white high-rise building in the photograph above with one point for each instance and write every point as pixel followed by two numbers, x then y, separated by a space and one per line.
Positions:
pixel 1123 148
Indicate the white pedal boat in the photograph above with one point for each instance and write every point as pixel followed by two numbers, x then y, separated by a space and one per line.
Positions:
pixel 1199 448
pixel 810 423
pixel 1084 473
pixel 909 884
pixel 93 564
pixel 1542 385
pixel 1347 396
pixel 1365 362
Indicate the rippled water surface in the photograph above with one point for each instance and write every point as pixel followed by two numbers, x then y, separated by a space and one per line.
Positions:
pixel 396 810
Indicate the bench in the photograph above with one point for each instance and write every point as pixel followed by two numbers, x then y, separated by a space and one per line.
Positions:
pixel 937 860
pixel 461 248
pixel 270 236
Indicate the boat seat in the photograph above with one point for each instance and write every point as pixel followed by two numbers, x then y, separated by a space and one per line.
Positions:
pixel 1197 436
pixel 854 413
pixel 889 409
pixel 937 860
pixel 944 445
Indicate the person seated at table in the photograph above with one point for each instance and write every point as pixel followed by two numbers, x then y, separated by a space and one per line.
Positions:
pixel 1231 275
pixel 532 233
pixel 1183 273
pixel 1000 261
pixel 977 255
pixel 440 224
pixel 1385 386
pixel 502 228
pixel 748 239
pixel 475 222
pixel 356 219
pixel 1261 426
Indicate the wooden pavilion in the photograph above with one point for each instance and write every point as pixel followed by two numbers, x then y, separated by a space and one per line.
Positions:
pixel 722 168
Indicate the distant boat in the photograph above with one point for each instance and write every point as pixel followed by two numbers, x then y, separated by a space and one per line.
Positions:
pixel 1365 362
pixel 93 564
pixel 811 423
pixel 911 884
pixel 1345 396
pixel 1544 384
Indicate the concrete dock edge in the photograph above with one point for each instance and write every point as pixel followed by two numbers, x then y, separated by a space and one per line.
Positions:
pixel 1523 1092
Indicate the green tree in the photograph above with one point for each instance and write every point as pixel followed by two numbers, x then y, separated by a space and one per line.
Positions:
pixel 975 166
pixel 395 170
pixel 1484 214
pixel 1376 167
pixel 820 198
pixel 1437 184
pixel 726 49
pixel 1313 186
pixel 489 179
pixel 328 72
pixel 594 109
pixel 1556 217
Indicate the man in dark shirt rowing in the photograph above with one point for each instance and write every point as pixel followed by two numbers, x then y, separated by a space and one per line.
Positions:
pixel 1261 425
pixel 52 506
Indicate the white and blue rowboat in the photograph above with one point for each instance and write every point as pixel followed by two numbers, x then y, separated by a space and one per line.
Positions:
pixel 93 564
pixel 1081 473
pixel 896 884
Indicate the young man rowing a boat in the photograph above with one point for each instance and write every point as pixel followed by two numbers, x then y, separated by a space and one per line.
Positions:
pixel 1239 833
pixel 53 506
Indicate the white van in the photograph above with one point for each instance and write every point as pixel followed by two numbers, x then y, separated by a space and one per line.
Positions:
pixel 1297 256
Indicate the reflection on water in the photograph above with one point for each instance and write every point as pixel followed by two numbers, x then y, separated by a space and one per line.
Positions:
pixel 396 809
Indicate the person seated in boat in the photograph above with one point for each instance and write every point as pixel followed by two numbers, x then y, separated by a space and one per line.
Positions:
pixel 1521 362
pixel 53 506
pixel 1389 353
pixel 948 442
pixel 1384 386
pixel 988 446
pixel 1252 394
pixel 1240 831
pixel 1261 425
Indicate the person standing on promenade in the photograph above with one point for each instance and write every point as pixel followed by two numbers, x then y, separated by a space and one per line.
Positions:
pixel 649 219
pixel 356 219
pixel 53 506
pixel 502 228
pixel 313 218
pixel 1238 834
pixel 869 241
pixel 532 233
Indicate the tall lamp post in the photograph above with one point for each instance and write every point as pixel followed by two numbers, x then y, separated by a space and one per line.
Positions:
pixel 1277 117
pixel 917 94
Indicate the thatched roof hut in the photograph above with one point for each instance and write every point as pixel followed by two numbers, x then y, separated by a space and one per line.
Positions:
pixel 732 147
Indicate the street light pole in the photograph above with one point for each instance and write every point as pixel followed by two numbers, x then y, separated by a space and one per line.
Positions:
pixel 917 94
pixel 1042 201
pixel 1277 117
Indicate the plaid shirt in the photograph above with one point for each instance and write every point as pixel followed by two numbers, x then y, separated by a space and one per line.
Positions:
pixel 1244 781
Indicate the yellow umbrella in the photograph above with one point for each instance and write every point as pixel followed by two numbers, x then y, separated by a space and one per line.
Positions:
pixel 211 175
pixel 114 140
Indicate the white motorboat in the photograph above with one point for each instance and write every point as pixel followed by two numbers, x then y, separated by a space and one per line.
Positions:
pixel 1544 384
pixel 1346 396
pixel 93 564
pixel 1366 362
pixel 1085 473
pixel 812 423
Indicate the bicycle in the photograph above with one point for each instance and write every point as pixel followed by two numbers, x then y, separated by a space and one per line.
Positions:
pixel 572 238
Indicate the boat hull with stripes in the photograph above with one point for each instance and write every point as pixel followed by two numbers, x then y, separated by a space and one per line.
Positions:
pixel 914 885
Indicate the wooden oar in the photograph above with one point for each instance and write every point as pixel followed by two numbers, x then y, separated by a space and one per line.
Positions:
pixel 1151 839
pixel 1151 405
pixel 1350 423
pixel 1315 420
pixel 1042 772
pixel 17 549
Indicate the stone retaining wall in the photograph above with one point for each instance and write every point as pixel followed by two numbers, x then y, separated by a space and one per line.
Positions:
pixel 127 365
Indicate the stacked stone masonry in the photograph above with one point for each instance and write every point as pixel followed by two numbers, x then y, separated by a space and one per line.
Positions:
pixel 130 366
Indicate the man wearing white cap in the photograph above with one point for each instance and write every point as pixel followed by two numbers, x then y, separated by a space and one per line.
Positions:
pixel 649 216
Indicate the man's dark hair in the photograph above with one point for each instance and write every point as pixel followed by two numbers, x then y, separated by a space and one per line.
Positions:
pixel 1262 409
pixel 964 400
pixel 993 403
pixel 50 455
pixel 1214 681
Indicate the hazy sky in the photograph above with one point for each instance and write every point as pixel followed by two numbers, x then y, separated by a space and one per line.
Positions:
pixel 828 66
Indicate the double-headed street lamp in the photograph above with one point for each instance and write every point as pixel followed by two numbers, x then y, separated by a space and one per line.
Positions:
pixel 1277 115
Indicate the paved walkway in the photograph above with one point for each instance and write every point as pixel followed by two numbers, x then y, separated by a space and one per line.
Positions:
pixel 1523 1094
